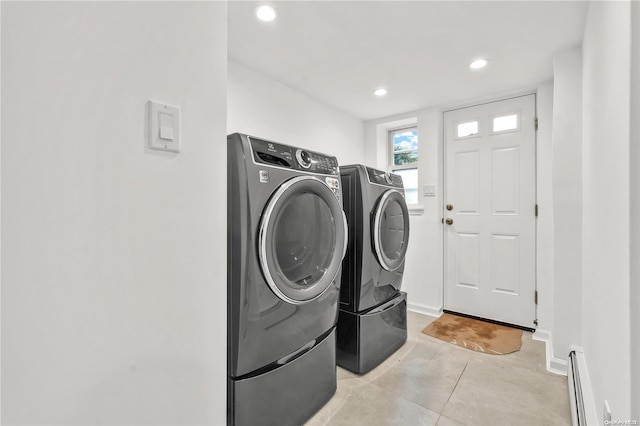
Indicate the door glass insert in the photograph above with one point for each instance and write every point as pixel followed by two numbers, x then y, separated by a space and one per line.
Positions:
pixel 505 122
pixel 467 129
pixel 304 239
pixel 391 230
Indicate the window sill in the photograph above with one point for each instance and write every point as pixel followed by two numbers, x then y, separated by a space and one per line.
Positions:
pixel 415 209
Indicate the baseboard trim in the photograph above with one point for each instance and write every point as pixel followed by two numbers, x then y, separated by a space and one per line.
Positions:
pixel 557 366
pixel 554 365
pixel 425 310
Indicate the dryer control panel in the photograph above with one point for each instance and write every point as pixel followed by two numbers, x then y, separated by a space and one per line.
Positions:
pixel 289 157
pixel 380 177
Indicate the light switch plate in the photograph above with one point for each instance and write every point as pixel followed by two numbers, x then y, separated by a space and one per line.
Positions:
pixel 429 190
pixel 164 127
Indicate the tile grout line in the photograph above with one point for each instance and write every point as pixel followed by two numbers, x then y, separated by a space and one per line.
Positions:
pixel 395 394
pixel 393 367
pixel 433 357
pixel 330 418
pixel 440 349
pixel 454 389
pixel 405 400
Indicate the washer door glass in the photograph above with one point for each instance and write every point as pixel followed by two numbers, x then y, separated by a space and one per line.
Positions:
pixel 302 240
pixel 391 230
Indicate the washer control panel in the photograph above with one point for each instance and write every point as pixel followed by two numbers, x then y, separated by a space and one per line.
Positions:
pixel 303 158
pixel 381 177
pixel 289 157
pixel 334 185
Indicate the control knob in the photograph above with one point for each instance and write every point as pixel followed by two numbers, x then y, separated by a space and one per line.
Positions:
pixel 304 159
pixel 387 177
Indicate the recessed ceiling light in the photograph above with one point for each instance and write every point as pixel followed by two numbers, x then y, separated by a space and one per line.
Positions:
pixel 380 92
pixel 266 13
pixel 478 63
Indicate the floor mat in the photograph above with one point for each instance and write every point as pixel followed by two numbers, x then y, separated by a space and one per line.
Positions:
pixel 477 335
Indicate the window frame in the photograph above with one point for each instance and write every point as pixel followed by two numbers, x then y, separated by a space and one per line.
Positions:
pixel 391 167
pixel 390 152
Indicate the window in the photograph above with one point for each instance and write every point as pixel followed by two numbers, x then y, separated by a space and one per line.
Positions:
pixel 403 144
pixel 505 122
pixel 467 129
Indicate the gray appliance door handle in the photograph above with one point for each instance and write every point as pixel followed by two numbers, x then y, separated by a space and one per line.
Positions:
pixel 296 353
pixel 346 234
pixel 385 307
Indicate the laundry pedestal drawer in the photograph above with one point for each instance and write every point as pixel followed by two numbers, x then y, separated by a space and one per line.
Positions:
pixel 364 340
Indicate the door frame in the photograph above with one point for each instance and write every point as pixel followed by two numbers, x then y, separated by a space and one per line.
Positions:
pixel 443 188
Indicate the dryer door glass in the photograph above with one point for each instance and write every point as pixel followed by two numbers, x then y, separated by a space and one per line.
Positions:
pixel 391 230
pixel 302 239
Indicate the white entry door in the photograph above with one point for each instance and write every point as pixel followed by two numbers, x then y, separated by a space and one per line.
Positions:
pixel 490 209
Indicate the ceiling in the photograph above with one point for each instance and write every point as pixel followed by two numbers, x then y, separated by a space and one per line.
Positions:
pixel 340 51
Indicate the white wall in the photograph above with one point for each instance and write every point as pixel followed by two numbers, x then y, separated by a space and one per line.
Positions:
pixel 113 257
pixel 544 196
pixel 262 107
pixel 567 202
pixel 606 217
pixel 423 267
pixel 634 300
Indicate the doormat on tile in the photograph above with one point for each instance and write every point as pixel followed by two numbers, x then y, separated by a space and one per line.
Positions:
pixel 480 336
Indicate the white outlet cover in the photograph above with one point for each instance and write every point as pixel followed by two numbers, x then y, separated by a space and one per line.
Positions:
pixel 429 190
pixel 166 138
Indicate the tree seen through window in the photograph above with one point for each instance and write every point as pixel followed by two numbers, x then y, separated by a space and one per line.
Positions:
pixel 404 150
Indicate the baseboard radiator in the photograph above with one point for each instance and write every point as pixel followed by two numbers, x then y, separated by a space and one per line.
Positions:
pixel 582 410
pixel 575 392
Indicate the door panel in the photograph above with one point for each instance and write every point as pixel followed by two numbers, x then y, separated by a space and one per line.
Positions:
pixel 505 263
pixel 468 260
pixel 505 189
pixel 490 185
pixel 467 196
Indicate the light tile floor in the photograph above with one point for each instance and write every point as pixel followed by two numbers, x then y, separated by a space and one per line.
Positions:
pixel 431 382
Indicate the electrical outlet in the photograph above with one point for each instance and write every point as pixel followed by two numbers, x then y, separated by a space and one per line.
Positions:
pixel 607 413
pixel 429 190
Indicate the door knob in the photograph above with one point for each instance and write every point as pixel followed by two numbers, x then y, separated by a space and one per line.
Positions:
pixel 449 207
pixel 449 221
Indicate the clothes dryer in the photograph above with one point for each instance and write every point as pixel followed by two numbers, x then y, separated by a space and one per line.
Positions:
pixel 372 318
pixel 287 235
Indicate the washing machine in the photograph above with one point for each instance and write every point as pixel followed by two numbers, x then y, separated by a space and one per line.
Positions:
pixel 287 236
pixel 373 309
